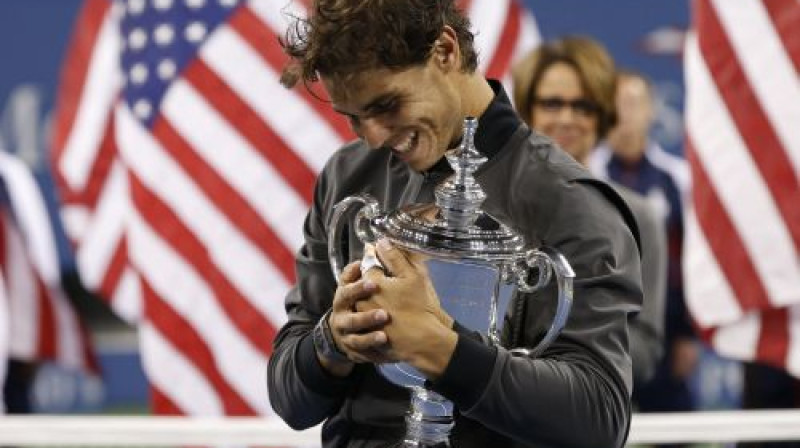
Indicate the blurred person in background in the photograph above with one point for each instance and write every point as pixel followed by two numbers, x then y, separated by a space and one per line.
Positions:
pixel 630 157
pixel 565 90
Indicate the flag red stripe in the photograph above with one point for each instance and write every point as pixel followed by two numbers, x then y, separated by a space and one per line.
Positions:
pixel 46 348
pixel 113 273
pixel 785 17
pixel 706 334
pixel 773 340
pixel 239 212
pixel 264 41
pixel 723 240
pixel 292 168
pixel 74 72
pixel 501 59
pixel 101 166
pixel 161 404
pixel 755 128
pixel 186 340
pixel 250 321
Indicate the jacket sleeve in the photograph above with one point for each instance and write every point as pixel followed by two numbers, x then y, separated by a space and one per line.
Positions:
pixel 300 389
pixel 577 394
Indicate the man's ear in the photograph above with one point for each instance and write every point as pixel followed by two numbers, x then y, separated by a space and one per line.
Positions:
pixel 446 52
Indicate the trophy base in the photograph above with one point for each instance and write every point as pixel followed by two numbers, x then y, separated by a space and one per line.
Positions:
pixel 429 421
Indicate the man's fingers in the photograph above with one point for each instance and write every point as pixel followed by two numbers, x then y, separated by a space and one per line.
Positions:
pixel 348 294
pixel 362 343
pixel 394 259
pixel 350 273
pixel 349 323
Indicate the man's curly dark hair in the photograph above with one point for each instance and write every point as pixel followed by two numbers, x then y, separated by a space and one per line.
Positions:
pixel 344 37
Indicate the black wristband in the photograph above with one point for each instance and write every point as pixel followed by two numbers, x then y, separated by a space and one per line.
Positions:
pixel 324 342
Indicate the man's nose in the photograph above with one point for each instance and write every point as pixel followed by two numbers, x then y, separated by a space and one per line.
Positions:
pixel 374 132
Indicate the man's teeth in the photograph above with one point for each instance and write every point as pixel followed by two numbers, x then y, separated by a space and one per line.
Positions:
pixel 405 146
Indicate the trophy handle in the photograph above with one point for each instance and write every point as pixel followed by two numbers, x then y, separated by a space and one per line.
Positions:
pixel 548 261
pixel 361 223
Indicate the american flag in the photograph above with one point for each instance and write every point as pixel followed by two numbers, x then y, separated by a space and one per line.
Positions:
pixel 186 171
pixel 40 323
pixel 742 247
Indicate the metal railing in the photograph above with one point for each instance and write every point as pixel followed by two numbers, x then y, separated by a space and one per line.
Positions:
pixel 94 431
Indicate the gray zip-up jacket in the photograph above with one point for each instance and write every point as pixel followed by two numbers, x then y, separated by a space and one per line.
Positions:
pixel 577 394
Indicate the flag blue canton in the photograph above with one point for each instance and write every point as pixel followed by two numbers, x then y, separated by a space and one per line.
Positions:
pixel 159 39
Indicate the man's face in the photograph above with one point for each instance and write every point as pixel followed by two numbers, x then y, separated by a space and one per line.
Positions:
pixel 634 106
pixel 415 112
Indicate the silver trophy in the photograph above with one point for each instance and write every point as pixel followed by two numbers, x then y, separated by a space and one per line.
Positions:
pixel 476 265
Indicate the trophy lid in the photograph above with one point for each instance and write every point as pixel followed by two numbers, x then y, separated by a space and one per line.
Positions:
pixel 455 226
pixel 485 240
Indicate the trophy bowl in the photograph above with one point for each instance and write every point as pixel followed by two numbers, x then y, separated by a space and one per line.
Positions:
pixel 476 265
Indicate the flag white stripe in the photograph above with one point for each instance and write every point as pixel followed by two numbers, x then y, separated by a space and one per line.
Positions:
pixel 22 295
pixel 276 15
pixel 176 377
pixel 253 275
pixel 238 163
pixel 310 137
pixel 527 39
pixel 99 92
pixel 193 301
pixel 768 69
pixel 488 19
pixel 105 229
pixel 708 294
pixel 127 297
pixel 75 218
pixel 739 340
pixel 33 219
pixel 748 202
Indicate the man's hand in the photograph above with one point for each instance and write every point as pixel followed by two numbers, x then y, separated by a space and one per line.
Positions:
pixel 419 332
pixel 356 333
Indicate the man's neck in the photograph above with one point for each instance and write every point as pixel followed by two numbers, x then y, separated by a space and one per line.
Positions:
pixel 477 95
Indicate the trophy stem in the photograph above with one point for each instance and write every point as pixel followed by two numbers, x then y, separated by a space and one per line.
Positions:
pixel 429 421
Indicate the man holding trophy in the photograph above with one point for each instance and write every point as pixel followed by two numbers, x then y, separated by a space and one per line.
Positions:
pixel 451 324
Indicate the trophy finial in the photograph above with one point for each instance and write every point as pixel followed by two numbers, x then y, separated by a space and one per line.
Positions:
pixel 460 197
